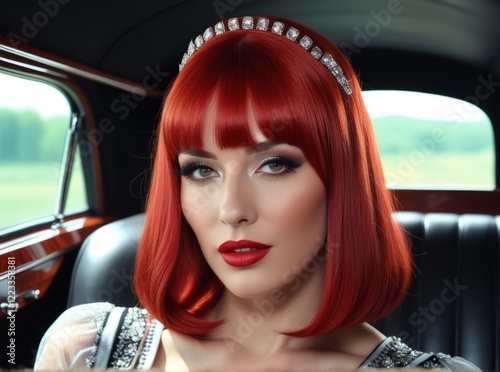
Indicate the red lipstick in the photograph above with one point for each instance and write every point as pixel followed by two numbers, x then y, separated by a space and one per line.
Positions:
pixel 243 253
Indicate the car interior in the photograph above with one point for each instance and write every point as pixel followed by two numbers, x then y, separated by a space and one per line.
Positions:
pixel 113 62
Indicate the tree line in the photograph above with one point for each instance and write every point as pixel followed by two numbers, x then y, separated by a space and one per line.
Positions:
pixel 400 134
pixel 26 136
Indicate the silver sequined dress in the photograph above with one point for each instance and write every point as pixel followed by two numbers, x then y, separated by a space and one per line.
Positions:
pixel 101 335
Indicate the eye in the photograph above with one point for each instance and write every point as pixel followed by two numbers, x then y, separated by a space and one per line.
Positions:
pixel 202 172
pixel 278 165
pixel 274 167
pixel 197 172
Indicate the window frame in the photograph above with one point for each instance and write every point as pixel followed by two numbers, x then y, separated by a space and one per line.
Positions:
pixel 74 126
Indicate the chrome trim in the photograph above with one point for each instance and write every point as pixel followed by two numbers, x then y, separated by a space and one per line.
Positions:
pixel 67 166
pixel 128 87
pixel 31 67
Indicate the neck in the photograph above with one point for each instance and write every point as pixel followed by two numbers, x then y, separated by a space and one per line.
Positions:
pixel 254 325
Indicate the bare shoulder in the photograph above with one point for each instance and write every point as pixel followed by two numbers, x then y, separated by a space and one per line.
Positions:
pixel 360 340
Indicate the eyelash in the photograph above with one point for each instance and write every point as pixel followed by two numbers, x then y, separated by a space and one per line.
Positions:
pixel 290 166
pixel 188 170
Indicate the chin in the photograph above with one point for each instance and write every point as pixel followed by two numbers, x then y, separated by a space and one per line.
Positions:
pixel 245 288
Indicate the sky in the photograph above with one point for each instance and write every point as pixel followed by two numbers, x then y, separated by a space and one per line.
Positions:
pixel 422 106
pixel 28 94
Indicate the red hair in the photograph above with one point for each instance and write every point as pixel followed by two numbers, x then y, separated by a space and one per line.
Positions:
pixel 296 100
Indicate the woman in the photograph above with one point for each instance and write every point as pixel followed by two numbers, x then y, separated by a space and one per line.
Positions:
pixel 269 241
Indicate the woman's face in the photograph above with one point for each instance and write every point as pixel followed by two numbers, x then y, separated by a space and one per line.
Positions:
pixel 259 213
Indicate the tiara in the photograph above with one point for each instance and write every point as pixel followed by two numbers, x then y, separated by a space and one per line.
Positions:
pixel 278 28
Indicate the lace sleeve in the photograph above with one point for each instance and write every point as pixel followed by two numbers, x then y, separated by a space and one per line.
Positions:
pixel 72 340
pixel 459 365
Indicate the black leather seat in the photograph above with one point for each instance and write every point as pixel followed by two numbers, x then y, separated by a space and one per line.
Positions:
pixel 104 266
pixel 453 305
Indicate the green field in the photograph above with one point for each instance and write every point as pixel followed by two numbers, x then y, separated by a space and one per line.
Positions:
pixel 473 170
pixel 29 191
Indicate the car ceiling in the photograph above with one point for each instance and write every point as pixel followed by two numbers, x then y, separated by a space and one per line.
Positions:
pixel 124 37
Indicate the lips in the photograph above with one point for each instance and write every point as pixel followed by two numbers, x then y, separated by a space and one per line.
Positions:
pixel 243 253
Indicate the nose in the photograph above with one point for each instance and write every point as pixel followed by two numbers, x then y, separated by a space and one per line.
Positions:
pixel 238 204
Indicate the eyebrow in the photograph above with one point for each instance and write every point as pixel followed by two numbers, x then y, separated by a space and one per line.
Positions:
pixel 259 147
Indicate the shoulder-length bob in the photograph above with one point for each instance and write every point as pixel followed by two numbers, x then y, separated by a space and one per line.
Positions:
pixel 294 99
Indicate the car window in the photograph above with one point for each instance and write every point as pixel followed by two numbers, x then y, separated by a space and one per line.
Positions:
pixel 34 122
pixel 431 141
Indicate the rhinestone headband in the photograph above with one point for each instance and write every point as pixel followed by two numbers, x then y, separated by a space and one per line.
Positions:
pixel 278 28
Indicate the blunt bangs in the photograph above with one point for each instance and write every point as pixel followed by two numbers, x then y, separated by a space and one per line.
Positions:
pixel 247 75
